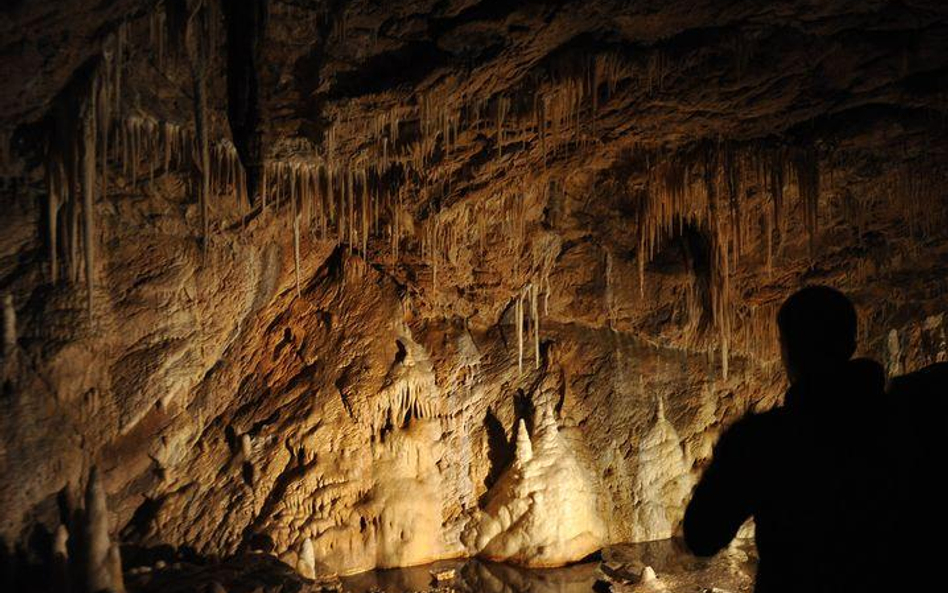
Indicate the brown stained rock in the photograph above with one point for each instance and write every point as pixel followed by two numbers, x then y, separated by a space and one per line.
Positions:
pixel 663 174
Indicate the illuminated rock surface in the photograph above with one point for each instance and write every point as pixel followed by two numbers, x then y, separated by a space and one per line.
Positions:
pixel 293 302
pixel 542 510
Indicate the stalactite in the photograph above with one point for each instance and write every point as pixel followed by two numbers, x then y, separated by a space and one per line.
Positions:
pixel 57 192
pixel 9 325
pixel 519 321
pixel 503 105
pixel 296 244
pixel 365 214
pixel 805 163
pixel 610 305
pixel 88 192
pixel 104 117
pixel 535 320
pixel 776 180
pixel 196 43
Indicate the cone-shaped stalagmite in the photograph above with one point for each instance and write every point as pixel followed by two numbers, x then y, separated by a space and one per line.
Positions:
pixel 96 542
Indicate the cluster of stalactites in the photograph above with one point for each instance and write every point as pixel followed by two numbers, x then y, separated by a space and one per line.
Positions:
pixel 76 164
pixel 528 298
pixel 566 107
pixel 90 130
pixel 410 391
pixel 708 190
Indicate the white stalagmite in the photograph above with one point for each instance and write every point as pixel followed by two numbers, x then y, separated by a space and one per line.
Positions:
pixel 542 510
pixel 662 482
pixel 524 452
pixel 97 574
pixel 306 565
pixel 9 325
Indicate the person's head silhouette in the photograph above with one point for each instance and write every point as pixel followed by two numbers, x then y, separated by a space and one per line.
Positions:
pixel 817 331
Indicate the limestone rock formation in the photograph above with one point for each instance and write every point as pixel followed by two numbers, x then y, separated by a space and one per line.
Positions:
pixel 102 569
pixel 290 273
pixel 543 509
pixel 662 483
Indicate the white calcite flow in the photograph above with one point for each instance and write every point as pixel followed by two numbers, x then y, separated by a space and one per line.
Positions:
pixel 662 482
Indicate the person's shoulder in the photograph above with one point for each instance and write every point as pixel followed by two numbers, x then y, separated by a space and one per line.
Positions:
pixel 754 426
pixel 921 383
pixel 921 397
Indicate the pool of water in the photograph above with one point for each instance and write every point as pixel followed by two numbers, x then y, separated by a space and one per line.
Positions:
pixel 619 568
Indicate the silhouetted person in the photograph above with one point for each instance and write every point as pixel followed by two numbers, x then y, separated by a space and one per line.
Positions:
pixel 812 473
pixel 918 403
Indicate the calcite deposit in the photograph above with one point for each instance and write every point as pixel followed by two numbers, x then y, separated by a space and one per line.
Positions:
pixel 542 510
pixel 349 285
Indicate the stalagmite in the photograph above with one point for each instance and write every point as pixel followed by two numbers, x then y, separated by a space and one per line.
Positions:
pixel 542 511
pixel 524 452
pixel 306 565
pixel 61 577
pixel 115 569
pixel 97 570
pixel 662 483
pixel 60 543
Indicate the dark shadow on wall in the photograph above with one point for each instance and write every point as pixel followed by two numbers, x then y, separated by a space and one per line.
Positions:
pixel 500 452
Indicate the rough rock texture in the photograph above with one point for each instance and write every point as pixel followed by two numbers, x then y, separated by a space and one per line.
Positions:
pixel 290 273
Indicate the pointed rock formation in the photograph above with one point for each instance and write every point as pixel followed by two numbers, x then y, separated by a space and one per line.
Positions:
pixel 61 559
pixel 542 510
pixel 306 565
pixel 662 482
pixel 103 564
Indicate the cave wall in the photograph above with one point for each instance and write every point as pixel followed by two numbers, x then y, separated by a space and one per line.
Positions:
pixel 311 246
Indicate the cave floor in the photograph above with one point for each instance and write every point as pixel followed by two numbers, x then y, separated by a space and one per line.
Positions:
pixel 619 569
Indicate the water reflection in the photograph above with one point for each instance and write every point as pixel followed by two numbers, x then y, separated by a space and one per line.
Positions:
pixel 477 576
pixel 621 564
pixel 504 578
